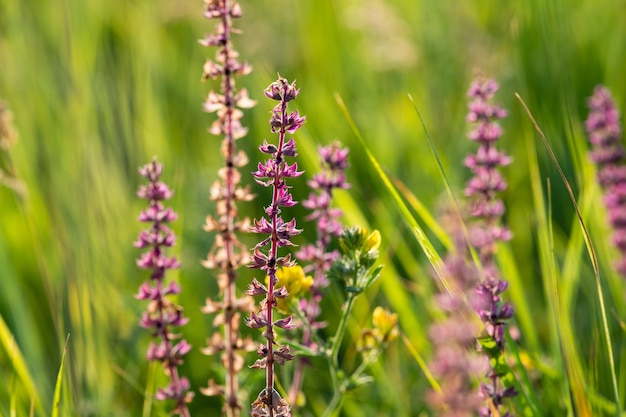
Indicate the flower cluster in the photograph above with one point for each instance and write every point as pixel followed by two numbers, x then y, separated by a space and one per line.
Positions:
pixel 162 315
pixel 487 180
pixel 455 363
pixel 273 173
pixel 384 332
pixel 486 230
pixel 334 161
pixel 605 134
pixel 227 253
pixel 297 284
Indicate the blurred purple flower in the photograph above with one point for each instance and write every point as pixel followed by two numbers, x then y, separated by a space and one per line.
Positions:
pixel 607 152
pixel 486 229
pixel 475 288
pixel 162 315
pixel 334 161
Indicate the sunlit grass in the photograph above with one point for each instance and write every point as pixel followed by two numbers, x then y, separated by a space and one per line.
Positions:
pixel 98 88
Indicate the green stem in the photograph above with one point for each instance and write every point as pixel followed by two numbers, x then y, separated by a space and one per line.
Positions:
pixel 334 404
pixel 369 359
pixel 341 330
pixel 307 324
pixel 333 358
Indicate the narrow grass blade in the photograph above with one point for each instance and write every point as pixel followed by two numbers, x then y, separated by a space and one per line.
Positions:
pixel 424 214
pixel 548 272
pixel 56 401
pixel 431 144
pixel 446 182
pixel 418 232
pixel 591 252
pixel 422 364
pixel 523 315
pixel 527 403
pixel 17 361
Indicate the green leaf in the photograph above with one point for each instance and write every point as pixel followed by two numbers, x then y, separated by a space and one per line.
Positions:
pixel 17 362
pixel 426 245
pixel 372 277
pixel 354 290
pixel 56 402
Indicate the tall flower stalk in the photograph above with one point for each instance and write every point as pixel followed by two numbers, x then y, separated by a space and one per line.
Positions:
pixel 227 254
pixel 334 161
pixel 455 363
pixel 273 173
pixel 163 315
pixel 486 231
pixel 605 135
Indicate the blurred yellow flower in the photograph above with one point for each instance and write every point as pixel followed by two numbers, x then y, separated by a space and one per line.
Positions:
pixel 385 324
pixel 296 283
pixel 372 242
pixel 384 332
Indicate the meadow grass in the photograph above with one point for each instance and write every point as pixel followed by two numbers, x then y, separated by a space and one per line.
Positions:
pixel 98 88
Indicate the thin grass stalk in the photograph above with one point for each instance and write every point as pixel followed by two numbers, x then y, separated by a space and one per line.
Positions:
pixel 594 261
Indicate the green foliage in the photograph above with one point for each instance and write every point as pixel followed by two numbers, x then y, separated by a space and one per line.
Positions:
pixel 358 253
pixel 96 88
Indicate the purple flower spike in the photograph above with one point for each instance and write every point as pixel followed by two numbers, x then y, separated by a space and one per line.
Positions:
pixel 487 210
pixel 604 132
pixel 487 180
pixel 481 284
pixel 334 161
pixel 162 316
pixel 273 173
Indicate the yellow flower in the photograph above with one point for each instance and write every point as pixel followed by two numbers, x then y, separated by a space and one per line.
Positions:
pixel 384 332
pixel 385 324
pixel 372 242
pixel 296 283
pixel 367 341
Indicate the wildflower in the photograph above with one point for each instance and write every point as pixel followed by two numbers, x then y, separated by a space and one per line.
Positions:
pixel 162 315
pixel 227 254
pixel 273 173
pixel 358 253
pixel 455 363
pixel 605 135
pixel 318 256
pixel 486 229
pixel 487 181
pixel 475 289
pixel 384 332
pixel 372 242
pixel 385 324
pixel 295 283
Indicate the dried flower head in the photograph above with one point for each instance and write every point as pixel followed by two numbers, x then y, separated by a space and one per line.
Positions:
pixel 228 253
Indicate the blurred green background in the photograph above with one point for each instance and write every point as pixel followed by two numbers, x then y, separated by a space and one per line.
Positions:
pixel 97 88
